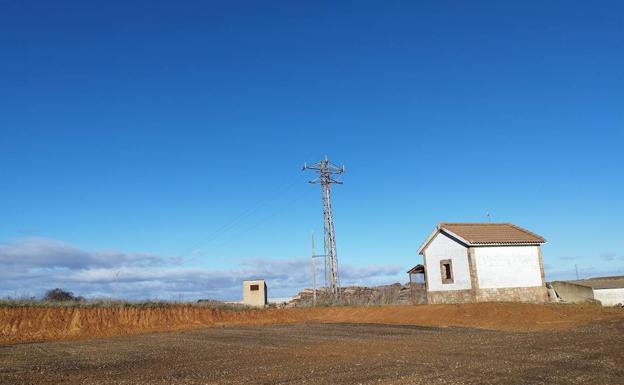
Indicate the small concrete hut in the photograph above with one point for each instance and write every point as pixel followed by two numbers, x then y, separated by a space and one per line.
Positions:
pixel 255 293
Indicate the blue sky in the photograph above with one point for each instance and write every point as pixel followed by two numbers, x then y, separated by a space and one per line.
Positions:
pixel 146 140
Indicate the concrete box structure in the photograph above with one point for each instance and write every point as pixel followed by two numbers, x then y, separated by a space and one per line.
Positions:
pixel 483 262
pixel 609 291
pixel 255 293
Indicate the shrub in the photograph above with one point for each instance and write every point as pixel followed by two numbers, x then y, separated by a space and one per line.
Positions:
pixel 60 295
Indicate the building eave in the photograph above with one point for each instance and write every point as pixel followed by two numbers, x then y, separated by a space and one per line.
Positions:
pixel 438 229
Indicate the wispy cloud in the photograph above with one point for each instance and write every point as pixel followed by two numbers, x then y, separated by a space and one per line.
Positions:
pixel 33 265
pixel 44 252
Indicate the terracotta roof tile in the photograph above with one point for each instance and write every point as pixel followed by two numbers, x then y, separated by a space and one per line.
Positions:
pixel 488 233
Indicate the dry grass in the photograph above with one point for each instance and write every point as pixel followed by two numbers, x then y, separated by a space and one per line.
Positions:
pixel 116 303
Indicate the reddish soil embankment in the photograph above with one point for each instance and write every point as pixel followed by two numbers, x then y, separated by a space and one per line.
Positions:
pixel 495 316
pixel 28 324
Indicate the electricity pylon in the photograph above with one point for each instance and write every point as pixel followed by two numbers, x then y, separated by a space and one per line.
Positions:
pixel 326 169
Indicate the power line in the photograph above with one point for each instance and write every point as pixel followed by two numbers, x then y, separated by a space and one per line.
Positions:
pixel 256 224
pixel 227 229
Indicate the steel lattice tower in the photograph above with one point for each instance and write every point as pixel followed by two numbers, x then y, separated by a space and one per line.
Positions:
pixel 326 169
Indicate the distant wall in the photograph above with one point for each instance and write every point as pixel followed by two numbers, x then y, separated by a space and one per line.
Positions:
pixel 571 292
pixel 609 297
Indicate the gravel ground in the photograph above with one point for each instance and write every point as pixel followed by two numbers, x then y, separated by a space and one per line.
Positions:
pixel 333 354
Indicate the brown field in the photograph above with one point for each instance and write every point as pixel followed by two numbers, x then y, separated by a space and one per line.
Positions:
pixel 35 324
pixel 429 344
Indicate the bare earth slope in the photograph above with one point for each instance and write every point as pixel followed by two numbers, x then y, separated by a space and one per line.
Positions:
pixel 29 324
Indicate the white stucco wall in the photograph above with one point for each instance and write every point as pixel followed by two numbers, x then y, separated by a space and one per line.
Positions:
pixel 609 297
pixel 442 247
pixel 255 297
pixel 508 266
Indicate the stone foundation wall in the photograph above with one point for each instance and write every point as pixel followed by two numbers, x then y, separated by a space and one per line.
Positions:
pixel 536 294
pixel 451 296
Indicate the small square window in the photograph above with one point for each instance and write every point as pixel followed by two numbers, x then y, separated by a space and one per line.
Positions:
pixel 254 287
pixel 446 271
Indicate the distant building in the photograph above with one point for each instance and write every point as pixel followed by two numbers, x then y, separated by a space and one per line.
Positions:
pixel 482 262
pixel 255 293
pixel 416 276
pixel 417 287
pixel 608 290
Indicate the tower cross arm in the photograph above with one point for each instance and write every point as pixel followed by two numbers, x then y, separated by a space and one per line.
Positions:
pixel 332 168
pixel 324 166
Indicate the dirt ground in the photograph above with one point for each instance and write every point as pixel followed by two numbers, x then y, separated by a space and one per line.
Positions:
pixel 318 353
pixel 36 324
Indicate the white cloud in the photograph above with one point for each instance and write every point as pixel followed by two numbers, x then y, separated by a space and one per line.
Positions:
pixel 33 265
pixel 43 252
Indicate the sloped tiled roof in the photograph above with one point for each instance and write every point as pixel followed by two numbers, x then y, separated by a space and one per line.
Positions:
pixel 492 233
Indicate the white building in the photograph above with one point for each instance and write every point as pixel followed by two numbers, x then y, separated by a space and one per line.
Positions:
pixel 255 293
pixel 481 262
